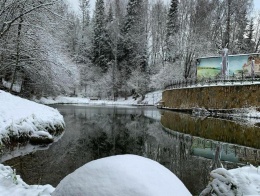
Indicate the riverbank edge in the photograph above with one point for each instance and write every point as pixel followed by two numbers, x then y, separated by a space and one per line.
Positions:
pixel 24 121
pixel 24 138
pixel 218 113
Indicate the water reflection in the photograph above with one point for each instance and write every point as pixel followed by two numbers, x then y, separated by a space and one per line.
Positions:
pixel 212 128
pixel 95 132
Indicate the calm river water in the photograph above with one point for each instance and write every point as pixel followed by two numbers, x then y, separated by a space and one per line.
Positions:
pixel 184 144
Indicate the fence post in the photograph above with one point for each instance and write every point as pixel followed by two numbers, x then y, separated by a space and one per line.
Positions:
pixel 242 77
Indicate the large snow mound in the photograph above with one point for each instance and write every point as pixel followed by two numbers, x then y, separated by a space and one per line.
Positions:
pixel 241 181
pixel 127 175
pixel 12 184
pixel 20 116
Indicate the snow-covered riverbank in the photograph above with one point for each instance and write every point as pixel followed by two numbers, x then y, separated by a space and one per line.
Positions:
pixel 150 99
pixel 21 118
pixel 241 181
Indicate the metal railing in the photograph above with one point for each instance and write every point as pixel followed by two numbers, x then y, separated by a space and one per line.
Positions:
pixel 211 82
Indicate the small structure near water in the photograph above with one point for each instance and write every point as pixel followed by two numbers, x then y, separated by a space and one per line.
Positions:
pixel 223 84
pixel 246 64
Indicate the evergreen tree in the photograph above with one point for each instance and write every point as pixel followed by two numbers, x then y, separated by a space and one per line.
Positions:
pixel 172 22
pixel 134 36
pixel 109 28
pixel 172 29
pixel 84 41
pixel 119 20
pixel 110 16
pixel 84 6
pixel 242 24
pixel 250 44
pixel 100 48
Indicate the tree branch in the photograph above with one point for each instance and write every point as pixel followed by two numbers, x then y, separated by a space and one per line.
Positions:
pixel 9 24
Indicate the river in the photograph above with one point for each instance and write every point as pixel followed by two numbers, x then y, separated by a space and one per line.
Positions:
pixel 183 143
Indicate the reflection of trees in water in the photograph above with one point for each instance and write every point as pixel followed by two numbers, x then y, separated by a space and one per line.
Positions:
pixel 174 152
pixel 113 134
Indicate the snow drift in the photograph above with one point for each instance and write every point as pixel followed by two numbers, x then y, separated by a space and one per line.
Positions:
pixel 12 184
pixel 127 175
pixel 241 181
pixel 23 118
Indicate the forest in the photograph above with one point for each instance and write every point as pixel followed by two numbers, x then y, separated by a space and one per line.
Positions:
pixel 119 49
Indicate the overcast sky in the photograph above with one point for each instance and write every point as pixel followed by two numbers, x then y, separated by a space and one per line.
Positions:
pixel 257 4
pixel 75 4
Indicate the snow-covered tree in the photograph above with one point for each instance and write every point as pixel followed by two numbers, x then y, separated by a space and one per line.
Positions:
pixel 158 20
pixel 172 29
pixel 250 44
pixel 100 48
pixel 33 57
pixel 135 40
pixel 84 33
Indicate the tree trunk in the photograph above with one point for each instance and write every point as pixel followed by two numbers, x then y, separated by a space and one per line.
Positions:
pixel 227 32
pixel 17 53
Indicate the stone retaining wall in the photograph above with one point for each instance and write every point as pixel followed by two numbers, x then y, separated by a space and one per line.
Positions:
pixel 213 97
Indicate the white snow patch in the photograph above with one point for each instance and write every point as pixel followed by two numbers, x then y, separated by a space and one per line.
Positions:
pixel 150 99
pixel 12 184
pixel 16 87
pixel 127 175
pixel 241 181
pixel 132 175
pixel 21 116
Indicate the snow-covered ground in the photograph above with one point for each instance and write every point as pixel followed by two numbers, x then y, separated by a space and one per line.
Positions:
pixel 15 88
pixel 150 99
pixel 12 184
pixel 23 117
pixel 131 175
